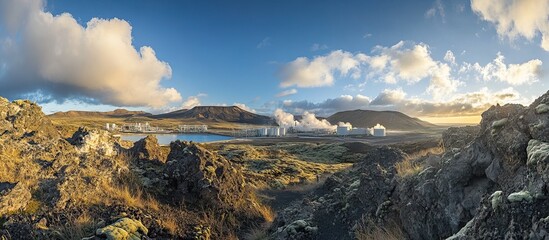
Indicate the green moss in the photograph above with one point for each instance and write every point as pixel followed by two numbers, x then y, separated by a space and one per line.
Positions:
pixel 32 206
pixel 537 151
pixel 499 123
pixel 542 108
pixel 123 229
pixel 520 196
pixel 496 199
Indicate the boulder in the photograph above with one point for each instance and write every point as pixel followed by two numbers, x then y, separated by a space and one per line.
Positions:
pixel 94 141
pixel 198 176
pixel 459 137
pixel 148 149
pixel 123 229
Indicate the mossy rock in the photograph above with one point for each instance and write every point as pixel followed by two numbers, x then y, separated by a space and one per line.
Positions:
pixel 123 229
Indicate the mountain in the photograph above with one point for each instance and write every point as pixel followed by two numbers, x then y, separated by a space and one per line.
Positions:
pixel 116 113
pixel 119 113
pixel 218 113
pixel 390 119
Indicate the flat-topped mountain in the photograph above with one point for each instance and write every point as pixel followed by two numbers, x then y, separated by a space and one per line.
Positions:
pixel 389 119
pixel 122 113
pixel 218 113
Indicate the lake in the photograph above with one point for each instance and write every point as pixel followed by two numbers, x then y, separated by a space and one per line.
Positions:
pixel 166 139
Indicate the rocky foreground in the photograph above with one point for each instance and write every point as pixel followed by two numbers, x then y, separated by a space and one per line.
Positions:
pixel 491 182
pixel 89 186
pixel 484 182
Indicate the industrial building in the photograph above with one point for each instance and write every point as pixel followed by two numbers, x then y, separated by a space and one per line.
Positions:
pixel 140 127
pixel 193 128
pixel 111 127
pixel 264 132
pixel 379 130
pixel 350 130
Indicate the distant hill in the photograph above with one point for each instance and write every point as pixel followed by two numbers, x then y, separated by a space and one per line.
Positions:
pixel 389 119
pixel 217 113
pixel 118 113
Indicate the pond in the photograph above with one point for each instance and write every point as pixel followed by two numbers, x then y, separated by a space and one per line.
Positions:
pixel 166 139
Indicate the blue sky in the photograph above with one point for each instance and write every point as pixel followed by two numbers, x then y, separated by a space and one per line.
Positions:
pixel 243 52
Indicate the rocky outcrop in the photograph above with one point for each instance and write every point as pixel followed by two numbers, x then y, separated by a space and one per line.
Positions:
pixel 459 137
pixel 14 198
pixel 22 118
pixel 492 188
pixel 94 141
pixel 199 176
pixel 148 149
pixel 364 193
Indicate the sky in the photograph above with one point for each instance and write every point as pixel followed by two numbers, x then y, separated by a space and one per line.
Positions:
pixel 443 61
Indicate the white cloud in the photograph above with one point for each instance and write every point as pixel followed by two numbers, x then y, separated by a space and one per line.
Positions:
pixel 514 18
pixel 287 92
pixel 319 71
pixel 191 102
pixel 264 43
pixel 450 57
pixel 437 9
pixel 412 64
pixel 514 74
pixel 409 63
pixel 60 59
pixel 244 107
pixel 401 63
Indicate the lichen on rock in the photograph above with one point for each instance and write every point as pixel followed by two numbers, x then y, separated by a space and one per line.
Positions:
pixel 520 196
pixel 542 108
pixel 123 229
pixel 496 199
pixel 538 151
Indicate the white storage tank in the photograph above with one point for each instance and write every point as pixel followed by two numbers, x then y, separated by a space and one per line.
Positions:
pixel 342 130
pixel 379 130
pixel 358 131
pixel 282 131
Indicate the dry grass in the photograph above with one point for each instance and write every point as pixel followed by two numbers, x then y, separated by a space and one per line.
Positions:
pixel 259 233
pixel 367 230
pixel 170 224
pixel 266 212
pixel 77 227
pixel 410 165
pixel 132 197
pixel 33 206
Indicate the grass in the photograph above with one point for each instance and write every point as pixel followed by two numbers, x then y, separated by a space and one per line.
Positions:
pixel 77 227
pixel 279 166
pixel 33 206
pixel 170 224
pixel 259 233
pixel 410 165
pixel 367 230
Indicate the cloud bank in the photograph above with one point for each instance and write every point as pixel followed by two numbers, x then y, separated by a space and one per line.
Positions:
pixel 467 104
pixel 54 58
pixel 406 63
pixel 516 18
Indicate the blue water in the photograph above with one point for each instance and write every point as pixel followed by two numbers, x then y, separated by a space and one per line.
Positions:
pixel 166 139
